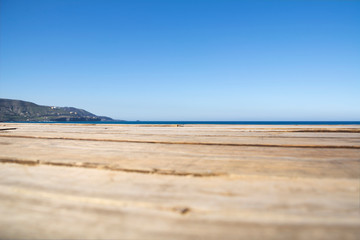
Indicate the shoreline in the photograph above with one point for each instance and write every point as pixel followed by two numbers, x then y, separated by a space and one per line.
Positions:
pixel 240 123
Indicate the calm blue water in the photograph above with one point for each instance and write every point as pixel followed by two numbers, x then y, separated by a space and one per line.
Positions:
pixel 222 122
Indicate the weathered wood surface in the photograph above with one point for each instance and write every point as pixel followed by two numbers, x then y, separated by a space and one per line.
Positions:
pixel 179 182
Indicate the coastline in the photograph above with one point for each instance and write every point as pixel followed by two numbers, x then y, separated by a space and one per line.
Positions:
pixel 205 122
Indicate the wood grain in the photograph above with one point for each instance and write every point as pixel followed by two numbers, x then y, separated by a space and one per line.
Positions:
pixel 89 181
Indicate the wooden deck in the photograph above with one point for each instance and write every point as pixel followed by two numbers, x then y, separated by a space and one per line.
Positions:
pixel 179 182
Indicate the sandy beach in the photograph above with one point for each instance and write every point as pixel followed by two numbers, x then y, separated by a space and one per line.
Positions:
pixel 103 181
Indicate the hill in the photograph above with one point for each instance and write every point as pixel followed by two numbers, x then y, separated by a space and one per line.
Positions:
pixel 17 110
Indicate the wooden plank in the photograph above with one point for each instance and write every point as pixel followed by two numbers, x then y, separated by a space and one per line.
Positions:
pixel 195 135
pixel 179 182
pixel 184 159
pixel 88 203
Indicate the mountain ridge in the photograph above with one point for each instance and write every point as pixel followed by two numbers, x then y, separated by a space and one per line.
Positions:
pixel 12 110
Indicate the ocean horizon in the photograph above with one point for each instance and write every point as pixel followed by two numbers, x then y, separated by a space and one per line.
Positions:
pixel 209 122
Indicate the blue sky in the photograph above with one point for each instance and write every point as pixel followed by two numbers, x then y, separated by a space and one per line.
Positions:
pixel 185 60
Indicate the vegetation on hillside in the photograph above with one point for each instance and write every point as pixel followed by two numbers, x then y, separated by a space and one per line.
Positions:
pixel 17 110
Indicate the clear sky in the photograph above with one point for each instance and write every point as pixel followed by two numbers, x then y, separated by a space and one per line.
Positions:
pixel 185 59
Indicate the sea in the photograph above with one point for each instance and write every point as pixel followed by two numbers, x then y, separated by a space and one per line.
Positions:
pixel 216 122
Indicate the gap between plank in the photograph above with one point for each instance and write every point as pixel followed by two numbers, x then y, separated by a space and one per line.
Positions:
pixel 111 168
pixel 189 143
